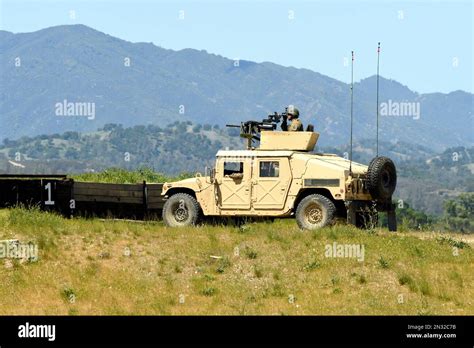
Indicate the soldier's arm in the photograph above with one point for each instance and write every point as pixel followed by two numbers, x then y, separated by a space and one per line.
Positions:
pixel 294 126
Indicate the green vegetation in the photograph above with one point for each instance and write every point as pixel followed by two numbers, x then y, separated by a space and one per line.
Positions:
pixel 92 266
pixel 428 183
pixel 176 148
pixel 457 216
pixel 459 212
pixel 122 176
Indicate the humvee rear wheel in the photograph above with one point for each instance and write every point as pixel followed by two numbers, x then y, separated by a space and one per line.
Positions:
pixel 315 211
pixel 181 210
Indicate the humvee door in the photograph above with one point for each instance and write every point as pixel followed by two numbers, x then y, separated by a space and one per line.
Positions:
pixel 272 178
pixel 233 178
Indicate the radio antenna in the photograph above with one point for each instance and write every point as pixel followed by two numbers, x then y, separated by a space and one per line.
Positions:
pixel 352 110
pixel 378 64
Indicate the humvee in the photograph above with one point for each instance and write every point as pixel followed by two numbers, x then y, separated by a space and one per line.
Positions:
pixel 283 178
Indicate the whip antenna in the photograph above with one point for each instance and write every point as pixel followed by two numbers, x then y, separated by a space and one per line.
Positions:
pixel 378 64
pixel 352 109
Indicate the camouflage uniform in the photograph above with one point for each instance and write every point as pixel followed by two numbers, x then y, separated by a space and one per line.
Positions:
pixel 295 126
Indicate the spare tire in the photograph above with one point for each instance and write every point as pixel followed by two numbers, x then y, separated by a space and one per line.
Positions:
pixel 381 178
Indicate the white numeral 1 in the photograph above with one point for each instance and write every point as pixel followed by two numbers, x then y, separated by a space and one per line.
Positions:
pixel 48 188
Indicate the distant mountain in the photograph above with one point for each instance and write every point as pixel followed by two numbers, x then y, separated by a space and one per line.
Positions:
pixel 46 74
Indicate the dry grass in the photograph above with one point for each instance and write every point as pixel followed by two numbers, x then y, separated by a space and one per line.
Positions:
pixel 265 268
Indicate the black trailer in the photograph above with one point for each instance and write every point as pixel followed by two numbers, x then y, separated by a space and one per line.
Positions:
pixel 74 198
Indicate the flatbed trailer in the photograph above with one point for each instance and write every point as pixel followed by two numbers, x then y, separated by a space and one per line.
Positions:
pixel 75 198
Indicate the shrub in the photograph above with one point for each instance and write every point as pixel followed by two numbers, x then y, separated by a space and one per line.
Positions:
pixel 383 262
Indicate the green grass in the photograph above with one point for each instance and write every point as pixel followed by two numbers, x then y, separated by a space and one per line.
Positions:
pixel 92 266
pixel 122 176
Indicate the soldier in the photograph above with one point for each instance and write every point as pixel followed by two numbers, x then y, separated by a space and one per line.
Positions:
pixel 292 114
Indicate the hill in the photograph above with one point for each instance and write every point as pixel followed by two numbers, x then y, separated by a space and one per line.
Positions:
pixel 178 147
pixel 132 84
pixel 94 267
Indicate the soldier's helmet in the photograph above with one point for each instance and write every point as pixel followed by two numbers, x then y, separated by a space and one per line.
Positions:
pixel 293 111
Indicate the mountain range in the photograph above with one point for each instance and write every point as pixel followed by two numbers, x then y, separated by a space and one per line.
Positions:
pixel 75 78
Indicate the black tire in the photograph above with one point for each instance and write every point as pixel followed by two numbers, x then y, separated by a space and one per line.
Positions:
pixel 381 178
pixel 181 210
pixel 315 211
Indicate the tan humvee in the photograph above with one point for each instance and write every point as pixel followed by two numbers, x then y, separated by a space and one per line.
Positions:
pixel 283 178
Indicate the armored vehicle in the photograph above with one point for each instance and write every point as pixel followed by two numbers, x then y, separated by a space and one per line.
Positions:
pixel 284 178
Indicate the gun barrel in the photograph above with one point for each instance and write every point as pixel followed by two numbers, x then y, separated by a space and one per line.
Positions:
pixel 266 126
pixel 232 125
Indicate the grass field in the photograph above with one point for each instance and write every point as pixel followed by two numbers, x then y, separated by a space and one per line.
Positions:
pixel 125 267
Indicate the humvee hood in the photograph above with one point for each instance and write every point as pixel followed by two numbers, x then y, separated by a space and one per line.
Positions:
pixel 196 183
pixel 185 181
pixel 336 162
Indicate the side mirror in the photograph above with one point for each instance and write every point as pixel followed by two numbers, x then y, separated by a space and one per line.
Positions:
pixel 211 175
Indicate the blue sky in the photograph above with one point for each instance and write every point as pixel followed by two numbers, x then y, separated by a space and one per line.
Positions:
pixel 426 45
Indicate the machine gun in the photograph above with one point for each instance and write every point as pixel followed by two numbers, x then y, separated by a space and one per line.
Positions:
pixel 250 130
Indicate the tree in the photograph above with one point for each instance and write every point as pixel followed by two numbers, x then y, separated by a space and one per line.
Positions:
pixel 71 153
pixel 459 213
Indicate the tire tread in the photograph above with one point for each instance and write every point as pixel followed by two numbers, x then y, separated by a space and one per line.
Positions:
pixel 325 202
pixel 188 199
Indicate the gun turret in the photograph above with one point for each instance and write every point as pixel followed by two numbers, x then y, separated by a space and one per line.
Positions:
pixel 250 130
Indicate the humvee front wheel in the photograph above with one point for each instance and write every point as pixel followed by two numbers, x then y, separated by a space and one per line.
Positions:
pixel 181 210
pixel 315 211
